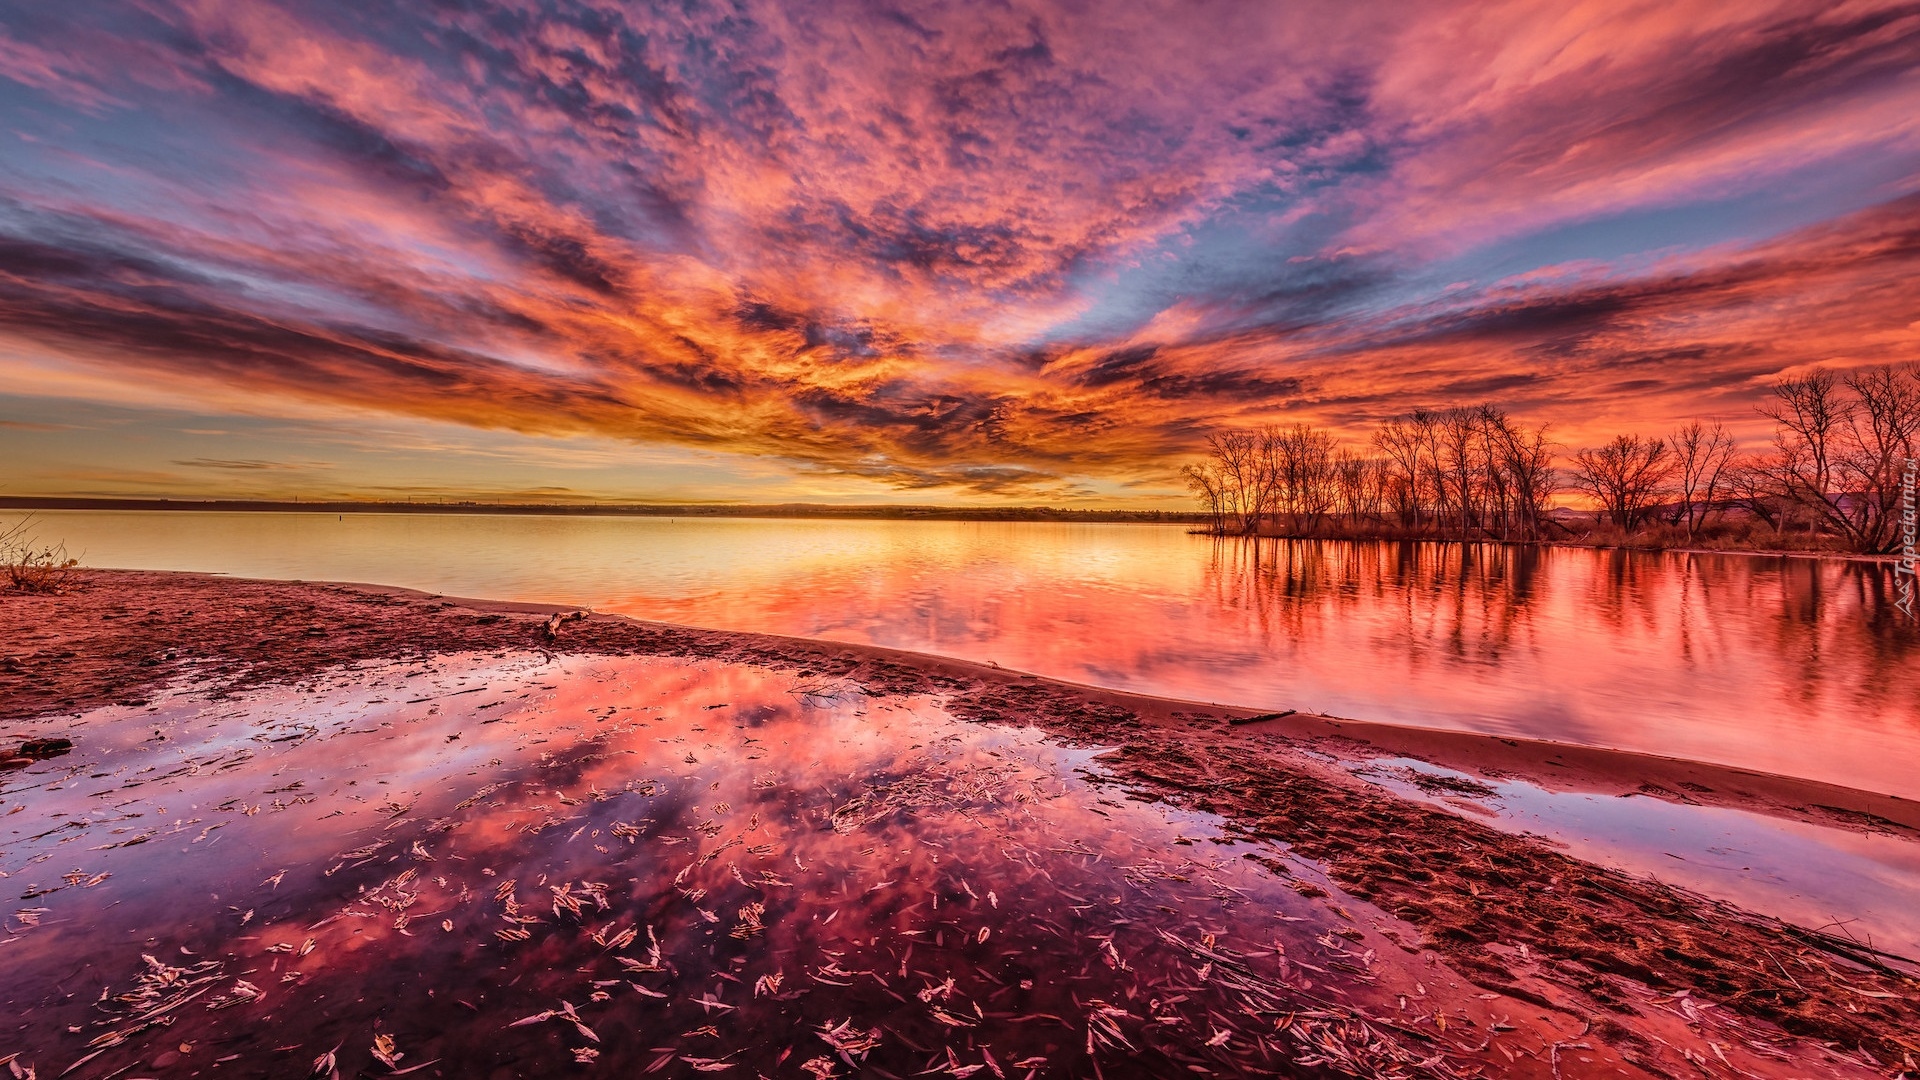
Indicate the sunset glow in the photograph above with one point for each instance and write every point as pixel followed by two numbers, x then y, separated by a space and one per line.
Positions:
pixel 915 252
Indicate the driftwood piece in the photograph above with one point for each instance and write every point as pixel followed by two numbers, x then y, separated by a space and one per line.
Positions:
pixel 33 750
pixel 1239 720
pixel 44 747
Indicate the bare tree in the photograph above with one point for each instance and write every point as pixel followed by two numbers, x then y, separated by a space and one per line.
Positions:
pixel 1840 445
pixel 1460 465
pixel 1834 467
pixel 1236 454
pixel 1627 476
pixel 1361 485
pixel 1811 409
pixel 1526 465
pixel 1419 480
pixel 1701 456
pixel 1466 469
pixel 1304 487
pixel 1286 474
pixel 1209 483
pixel 1426 425
pixel 1496 487
pixel 1807 412
pixel 1878 441
pixel 1399 442
pixel 1754 483
pixel 1373 491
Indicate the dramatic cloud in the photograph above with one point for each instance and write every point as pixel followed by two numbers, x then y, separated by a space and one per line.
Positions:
pixel 956 248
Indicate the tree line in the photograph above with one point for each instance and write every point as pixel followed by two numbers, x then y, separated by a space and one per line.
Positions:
pixel 1829 476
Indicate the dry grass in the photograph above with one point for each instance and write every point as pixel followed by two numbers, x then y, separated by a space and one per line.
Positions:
pixel 1721 534
pixel 31 566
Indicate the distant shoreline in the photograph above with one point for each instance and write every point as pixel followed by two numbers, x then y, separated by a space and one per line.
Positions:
pixel 717 510
pixel 822 511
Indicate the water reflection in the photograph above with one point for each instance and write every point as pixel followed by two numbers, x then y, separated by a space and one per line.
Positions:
pixel 1787 665
pixel 1851 881
pixel 1781 664
pixel 516 867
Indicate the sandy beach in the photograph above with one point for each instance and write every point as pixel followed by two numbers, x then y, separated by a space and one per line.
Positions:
pixel 355 830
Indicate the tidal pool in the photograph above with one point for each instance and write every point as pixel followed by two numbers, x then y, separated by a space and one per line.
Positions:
pixel 527 865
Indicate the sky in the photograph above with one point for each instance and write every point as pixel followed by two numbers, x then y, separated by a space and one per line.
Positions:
pixel 878 251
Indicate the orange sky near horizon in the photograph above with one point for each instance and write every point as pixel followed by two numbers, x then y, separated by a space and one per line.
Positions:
pixel 879 250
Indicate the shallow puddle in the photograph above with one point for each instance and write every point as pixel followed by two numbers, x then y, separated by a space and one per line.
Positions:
pixel 527 866
pixel 1850 883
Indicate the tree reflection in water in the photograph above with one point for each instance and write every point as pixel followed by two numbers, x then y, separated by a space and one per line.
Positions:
pixel 1725 657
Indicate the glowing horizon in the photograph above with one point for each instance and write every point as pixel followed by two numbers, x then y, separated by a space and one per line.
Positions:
pixel 915 252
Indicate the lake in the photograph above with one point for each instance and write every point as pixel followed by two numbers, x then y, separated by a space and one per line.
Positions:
pixel 1789 665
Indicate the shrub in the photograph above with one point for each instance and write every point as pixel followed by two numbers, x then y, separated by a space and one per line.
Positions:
pixel 33 567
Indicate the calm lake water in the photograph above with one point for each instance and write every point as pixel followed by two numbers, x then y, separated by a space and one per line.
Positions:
pixel 1788 665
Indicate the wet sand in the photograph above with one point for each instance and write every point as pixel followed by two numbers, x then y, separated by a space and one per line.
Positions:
pixel 300 820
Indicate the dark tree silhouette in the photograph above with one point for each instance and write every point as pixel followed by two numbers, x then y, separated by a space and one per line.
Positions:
pixel 1626 476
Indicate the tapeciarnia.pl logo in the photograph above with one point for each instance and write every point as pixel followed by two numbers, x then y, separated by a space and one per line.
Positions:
pixel 1905 566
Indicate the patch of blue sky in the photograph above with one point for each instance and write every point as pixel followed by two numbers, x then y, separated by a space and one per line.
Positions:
pixel 1633 240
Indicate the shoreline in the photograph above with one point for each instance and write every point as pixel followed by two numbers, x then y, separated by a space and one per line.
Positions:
pixel 1550 764
pixel 30 504
pixel 1473 894
pixel 1553 765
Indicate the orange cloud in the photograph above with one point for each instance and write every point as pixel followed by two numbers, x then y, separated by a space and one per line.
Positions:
pixel 1006 251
